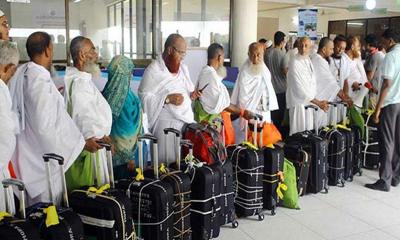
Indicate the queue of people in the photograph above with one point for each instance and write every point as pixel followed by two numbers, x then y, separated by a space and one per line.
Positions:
pixel 36 118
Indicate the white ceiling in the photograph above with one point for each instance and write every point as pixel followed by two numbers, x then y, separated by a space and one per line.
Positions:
pixel 265 5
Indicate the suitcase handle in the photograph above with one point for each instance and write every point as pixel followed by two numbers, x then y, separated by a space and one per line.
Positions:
pixel 21 188
pixel 154 142
pixel 256 118
pixel 315 108
pixel 110 166
pixel 177 135
pixel 345 106
pixel 51 156
pixel 187 143
pixel 335 113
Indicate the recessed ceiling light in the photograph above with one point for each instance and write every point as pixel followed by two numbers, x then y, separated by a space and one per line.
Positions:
pixel 370 4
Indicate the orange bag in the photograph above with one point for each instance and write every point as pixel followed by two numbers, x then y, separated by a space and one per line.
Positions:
pixel 271 135
pixel 229 131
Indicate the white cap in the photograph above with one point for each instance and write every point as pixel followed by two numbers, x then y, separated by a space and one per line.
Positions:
pixel 269 43
pixel 1 13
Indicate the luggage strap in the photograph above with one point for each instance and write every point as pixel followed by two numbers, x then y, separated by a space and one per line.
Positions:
pixel 341 168
pixel 206 213
pixel 103 223
pixel 336 154
pixel 206 200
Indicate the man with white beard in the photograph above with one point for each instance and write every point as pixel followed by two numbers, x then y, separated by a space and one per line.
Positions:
pixel 327 86
pixel 9 58
pixel 215 97
pixel 302 89
pixel 357 78
pixel 253 90
pixel 167 92
pixel 86 105
pixel 44 125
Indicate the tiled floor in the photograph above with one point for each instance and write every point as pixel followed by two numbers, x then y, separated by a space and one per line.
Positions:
pixel 350 213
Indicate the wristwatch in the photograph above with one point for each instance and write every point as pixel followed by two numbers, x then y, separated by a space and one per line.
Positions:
pixel 167 100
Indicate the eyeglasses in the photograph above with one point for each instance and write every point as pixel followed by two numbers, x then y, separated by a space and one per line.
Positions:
pixel 181 53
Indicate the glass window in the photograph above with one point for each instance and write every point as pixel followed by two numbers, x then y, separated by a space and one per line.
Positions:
pixel 200 22
pixel 39 15
pixel 377 26
pixel 336 28
pixel 357 28
pixel 395 23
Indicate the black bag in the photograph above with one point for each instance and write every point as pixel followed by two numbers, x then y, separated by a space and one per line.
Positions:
pixel 13 228
pixel 248 170
pixel 273 164
pixel 181 185
pixel 371 144
pixel 106 213
pixel 70 226
pixel 317 149
pixel 205 196
pixel 227 195
pixel 336 151
pixel 357 150
pixel 152 199
pixel 301 160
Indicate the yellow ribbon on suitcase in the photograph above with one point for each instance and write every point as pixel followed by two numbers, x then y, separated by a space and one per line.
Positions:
pixel 51 216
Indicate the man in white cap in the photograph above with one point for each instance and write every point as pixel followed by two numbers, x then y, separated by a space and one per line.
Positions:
pixel 4 27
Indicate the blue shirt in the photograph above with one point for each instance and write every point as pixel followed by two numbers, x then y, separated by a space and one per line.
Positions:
pixel 391 71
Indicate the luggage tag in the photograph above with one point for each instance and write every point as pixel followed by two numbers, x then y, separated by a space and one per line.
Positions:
pixel 4 215
pixel 51 216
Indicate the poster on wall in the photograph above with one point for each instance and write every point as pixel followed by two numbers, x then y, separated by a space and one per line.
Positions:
pixel 308 23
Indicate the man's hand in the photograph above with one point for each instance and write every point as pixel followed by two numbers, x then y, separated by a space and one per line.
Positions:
pixel 248 115
pixel 7 72
pixel 324 105
pixel 175 99
pixel 131 166
pixel 376 115
pixel 356 86
pixel 92 146
pixel 195 94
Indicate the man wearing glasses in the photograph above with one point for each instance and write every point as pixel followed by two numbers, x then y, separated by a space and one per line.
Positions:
pixel 167 92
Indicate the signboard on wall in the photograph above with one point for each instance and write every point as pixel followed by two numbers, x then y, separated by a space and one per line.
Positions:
pixel 308 23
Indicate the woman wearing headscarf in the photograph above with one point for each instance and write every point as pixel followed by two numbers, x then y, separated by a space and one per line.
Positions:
pixel 127 115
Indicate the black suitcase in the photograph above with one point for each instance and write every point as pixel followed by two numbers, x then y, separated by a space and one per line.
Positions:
pixel 301 160
pixel 248 170
pixel 70 226
pixel 357 150
pixel 273 165
pixel 370 144
pixel 152 199
pixel 349 135
pixel 106 212
pixel 12 228
pixel 181 185
pixel 336 151
pixel 317 149
pixel 227 213
pixel 205 196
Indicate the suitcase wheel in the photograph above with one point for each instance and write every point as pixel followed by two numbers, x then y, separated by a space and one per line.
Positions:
pixel 360 173
pixel 235 224
pixel 350 179
pixel 273 211
pixel 326 190
pixel 260 216
pixel 342 183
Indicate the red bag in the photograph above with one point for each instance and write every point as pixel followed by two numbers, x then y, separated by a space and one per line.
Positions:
pixel 207 142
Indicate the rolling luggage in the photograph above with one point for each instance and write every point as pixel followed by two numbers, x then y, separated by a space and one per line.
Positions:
pixel 152 199
pixel 273 167
pixel 248 171
pixel 349 135
pixel 336 151
pixel 67 224
pixel 13 228
pixel 317 149
pixel 105 212
pixel 357 150
pixel 208 145
pixel 205 197
pixel 301 161
pixel 180 183
pixel 371 143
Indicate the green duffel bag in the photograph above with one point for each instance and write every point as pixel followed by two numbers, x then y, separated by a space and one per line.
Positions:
pixel 290 198
pixel 80 174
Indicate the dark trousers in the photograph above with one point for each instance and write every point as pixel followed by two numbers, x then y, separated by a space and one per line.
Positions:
pixel 277 116
pixel 389 135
